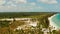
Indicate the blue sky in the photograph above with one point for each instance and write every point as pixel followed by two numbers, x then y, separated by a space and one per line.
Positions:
pixel 29 5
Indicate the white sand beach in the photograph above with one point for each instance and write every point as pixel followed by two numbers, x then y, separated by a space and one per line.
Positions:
pixel 52 23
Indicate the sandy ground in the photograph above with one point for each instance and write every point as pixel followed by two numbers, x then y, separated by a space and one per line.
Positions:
pixel 52 23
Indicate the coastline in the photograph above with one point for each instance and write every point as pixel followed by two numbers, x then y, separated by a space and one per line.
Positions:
pixel 52 23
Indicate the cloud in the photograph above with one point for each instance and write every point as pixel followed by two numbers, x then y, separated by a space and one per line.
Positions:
pixel 20 1
pixel 10 3
pixel 18 5
pixel 24 5
pixel 33 3
pixel 49 1
pixel 2 2
pixel 20 8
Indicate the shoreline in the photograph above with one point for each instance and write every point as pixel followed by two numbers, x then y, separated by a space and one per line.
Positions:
pixel 52 23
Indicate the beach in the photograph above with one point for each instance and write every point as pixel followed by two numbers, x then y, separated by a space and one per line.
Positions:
pixel 52 23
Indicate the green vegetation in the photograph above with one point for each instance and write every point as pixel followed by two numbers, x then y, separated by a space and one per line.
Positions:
pixel 23 14
pixel 42 18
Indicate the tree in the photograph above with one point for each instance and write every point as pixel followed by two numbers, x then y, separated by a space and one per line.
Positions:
pixel 54 32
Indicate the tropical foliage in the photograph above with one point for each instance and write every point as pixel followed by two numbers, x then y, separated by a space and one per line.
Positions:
pixel 42 25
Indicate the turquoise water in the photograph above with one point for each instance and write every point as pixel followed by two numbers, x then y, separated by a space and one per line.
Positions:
pixel 56 19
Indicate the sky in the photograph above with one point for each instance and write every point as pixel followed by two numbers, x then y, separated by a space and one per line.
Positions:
pixel 29 5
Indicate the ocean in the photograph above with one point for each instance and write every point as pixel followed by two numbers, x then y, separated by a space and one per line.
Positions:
pixel 56 20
